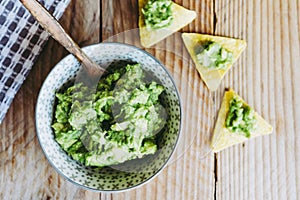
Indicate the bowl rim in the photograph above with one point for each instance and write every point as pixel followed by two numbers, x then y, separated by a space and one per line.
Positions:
pixel 86 48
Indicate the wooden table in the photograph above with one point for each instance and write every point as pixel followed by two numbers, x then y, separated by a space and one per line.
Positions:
pixel 266 76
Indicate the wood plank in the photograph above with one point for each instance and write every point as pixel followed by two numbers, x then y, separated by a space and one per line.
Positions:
pixel 266 167
pixel 266 76
pixel 23 167
pixel 117 17
pixel 190 175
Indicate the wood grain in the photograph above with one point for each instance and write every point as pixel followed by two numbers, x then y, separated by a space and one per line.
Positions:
pixel 266 167
pixel 266 76
pixel 23 167
pixel 192 158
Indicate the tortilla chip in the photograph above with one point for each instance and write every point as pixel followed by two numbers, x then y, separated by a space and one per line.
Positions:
pixel 213 77
pixel 182 17
pixel 223 138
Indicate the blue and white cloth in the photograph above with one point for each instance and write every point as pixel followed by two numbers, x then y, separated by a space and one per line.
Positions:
pixel 21 41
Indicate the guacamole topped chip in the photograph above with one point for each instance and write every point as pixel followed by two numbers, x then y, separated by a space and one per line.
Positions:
pixel 173 19
pixel 225 136
pixel 213 76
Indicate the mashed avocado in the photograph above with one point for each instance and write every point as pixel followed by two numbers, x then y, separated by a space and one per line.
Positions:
pixel 119 122
pixel 240 118
pixel 212 55
pixel 158 14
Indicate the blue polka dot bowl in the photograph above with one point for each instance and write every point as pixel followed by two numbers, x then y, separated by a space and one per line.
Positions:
pixel 130 174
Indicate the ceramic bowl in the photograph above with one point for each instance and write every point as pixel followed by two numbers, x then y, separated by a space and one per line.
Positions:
pixel 123 176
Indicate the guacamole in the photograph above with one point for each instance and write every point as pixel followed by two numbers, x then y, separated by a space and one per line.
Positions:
pixel 213 56
pixel 157 14
pixel 240 118
pixel 117 123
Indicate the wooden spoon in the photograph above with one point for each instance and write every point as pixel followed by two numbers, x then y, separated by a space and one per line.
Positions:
pixel 51 25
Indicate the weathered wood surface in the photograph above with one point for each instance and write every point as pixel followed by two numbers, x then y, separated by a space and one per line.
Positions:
pixel 265 75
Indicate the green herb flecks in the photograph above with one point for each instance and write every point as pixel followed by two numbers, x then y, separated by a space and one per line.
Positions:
pixel 119 122
pixel 240 118
pixel 212 55
pixel 157 14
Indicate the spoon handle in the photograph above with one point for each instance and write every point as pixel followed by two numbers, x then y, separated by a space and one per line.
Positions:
pixel 51 25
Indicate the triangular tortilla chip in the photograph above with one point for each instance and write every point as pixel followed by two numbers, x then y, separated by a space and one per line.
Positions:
pixel 212 77
pixel 182 17
pixel 223 138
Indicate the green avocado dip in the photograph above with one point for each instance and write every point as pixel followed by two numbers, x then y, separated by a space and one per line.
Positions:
pixel 240 118
pixel 212 55
pixel 119 122
pixel 157 14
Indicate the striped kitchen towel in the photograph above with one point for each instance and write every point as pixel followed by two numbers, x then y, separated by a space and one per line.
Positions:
pixel 21 41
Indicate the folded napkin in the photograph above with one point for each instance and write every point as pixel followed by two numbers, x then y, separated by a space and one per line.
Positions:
pixel 21 40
